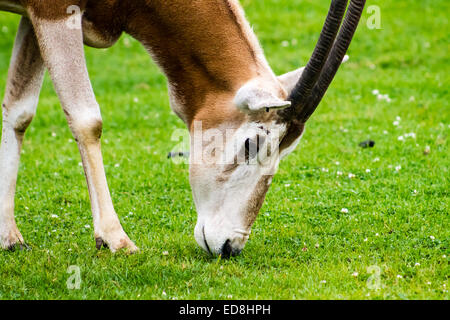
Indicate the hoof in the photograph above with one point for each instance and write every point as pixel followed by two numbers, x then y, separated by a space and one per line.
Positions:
pixel 99 243
pixel 19 247
pixel 125 245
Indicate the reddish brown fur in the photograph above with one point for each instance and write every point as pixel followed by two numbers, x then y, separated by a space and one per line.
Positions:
pixel 205 61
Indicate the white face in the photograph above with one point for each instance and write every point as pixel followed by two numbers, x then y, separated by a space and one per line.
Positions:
pixel 231 166
pixel 231 171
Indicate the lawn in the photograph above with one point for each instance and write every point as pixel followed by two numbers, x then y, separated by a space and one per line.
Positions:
pixel 391 242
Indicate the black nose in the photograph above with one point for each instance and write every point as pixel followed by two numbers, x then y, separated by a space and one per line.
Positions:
pixel 227 250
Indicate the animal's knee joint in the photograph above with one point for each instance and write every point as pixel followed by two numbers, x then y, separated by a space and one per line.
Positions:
pixel 23 121
pixel 19 115
pixel 88 129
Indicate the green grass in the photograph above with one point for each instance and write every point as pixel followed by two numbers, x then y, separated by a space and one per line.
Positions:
pixel 301 238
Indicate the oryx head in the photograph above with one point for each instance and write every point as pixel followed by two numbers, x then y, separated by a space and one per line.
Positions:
pixel 232 163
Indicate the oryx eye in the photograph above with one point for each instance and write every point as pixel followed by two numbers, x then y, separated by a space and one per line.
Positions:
pixel 252 147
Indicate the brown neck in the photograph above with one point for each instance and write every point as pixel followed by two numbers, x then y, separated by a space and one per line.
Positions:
pixel 204 47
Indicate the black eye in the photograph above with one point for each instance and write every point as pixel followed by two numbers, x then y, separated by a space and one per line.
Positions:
pixel 251 148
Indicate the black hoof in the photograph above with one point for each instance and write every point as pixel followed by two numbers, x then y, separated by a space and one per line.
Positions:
pixel 19 246
pixel 99 243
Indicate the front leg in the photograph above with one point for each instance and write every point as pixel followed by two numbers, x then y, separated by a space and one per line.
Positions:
pixel 62 50
pixel 24 83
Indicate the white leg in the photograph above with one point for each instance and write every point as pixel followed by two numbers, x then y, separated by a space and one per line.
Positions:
pixel 62 49
pixel 19 106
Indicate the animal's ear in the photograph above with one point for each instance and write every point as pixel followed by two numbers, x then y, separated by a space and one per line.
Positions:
pixel 254 98
pixel 290 79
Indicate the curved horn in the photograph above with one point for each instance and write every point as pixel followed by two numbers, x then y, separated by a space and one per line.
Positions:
pixel 323 66
pixel 334 61
pixel 309 77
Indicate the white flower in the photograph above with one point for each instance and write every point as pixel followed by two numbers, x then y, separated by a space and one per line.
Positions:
pixel 54 216
pixel 376 159
pixel 398 168
pixel 355 274
pixel 339 173
pixel 399 276
pixel 428 283
pixel 165 253
pixel 432 238
pixel 87 226
pixel 417 264
pixel 323 281
pixel 365 240
pixel 126 42
pixel 287 185
pixel 285 43
pixel 377 234
pixel 136 99
pixel 230 296
pixel 375 92
pixel 116 165
pixel 384 97
pixel 385 132
pixel 344 210
pixel 337 163
pixel 398 118
pixel 401 138
pixel 444 256
pixel 368 170
pixel 164 293
pixel 396 123
pixel 324 169
pixel 53 134
pixel 351 175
